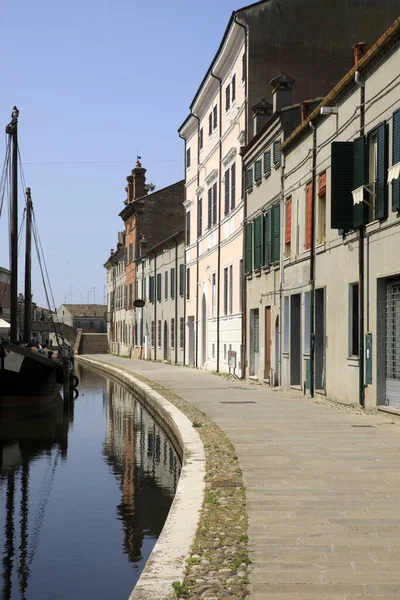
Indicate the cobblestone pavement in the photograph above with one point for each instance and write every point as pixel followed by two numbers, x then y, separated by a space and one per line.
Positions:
pixel 323 486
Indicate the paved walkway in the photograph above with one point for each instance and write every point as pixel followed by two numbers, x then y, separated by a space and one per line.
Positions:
pixel 323 486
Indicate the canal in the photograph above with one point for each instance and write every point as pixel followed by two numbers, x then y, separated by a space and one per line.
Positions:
pixel 84 494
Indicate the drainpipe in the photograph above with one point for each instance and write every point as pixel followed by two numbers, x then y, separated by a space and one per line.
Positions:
pixel 281 268
pixel 246 41
pixel 312 260
pixel 361 235
pixel 176 304
pixel 197 245
pixel 184 258
pixel 219 211
pixel 155 303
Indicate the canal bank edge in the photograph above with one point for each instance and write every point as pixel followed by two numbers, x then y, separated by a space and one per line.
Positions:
pixel 166 563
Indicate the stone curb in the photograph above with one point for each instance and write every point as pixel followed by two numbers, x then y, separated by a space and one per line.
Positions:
pixel 167 560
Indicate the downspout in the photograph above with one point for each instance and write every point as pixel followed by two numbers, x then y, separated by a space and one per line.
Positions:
pixel 176 304
pixel 281 268
pixel 197 245
pixel 312 259
pixel 219 212
pixel 243 358
pixel 361 385
pixel 184 258
pixel 155 302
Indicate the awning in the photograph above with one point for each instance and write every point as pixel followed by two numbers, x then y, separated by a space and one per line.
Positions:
pixel 358 195
pixel 394 172
pixel 4 324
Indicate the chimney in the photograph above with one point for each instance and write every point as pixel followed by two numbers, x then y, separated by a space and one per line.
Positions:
pixel 282 91
pixel 129 189
pixel 261 113
pixel 359 51
pixel 305 110
pixel 139 181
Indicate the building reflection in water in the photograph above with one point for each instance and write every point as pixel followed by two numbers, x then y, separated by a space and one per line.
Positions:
pixel 25 436
pixel 145 464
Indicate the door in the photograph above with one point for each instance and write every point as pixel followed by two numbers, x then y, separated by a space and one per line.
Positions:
pixel 267 344
pixel 165 340
pixel 393 343
pixel 203 332
pixel 320 339
pixel 191 340
pixel 254 342
pixel 277 352
pixel 295 340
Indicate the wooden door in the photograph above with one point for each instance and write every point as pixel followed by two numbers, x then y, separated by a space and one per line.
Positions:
pixel 268 341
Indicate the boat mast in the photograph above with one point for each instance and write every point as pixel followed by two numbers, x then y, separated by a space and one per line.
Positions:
pixel 28 286
pixel 12 130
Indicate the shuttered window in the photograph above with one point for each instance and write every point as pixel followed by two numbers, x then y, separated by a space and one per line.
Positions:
pixel 188 228
pixel 230 289
pixel 182 332
pixel 267 239
pixel 275 233
pixel 382 172
pixel 257 170
pixel 341 185
pixel 308 215
pixel 201 140
pixel 227 190
pixel 199 217
pixel 172 281
pixel 267 162
pixel 227 97
pixel 215 117
pixel 214 203
pixel 159 334
pixel 166 285
pixel 153 332
pixel 395 160
pixel 181 280
pixel 209 195
pixel 233 93
pixel 249 178
pixel 151 289
pixel 210 124
pixel 188 158
pixel 257 232
pixel 159 287
pixel 225 290
pixel 130 294
pixel 233 185
pixel 248 265
pixel 172 333
pixel 288 224
pixel 187 284
pixel 360 210
pixel 277 152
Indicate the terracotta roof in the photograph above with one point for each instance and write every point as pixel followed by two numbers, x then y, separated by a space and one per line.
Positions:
pixel 85 310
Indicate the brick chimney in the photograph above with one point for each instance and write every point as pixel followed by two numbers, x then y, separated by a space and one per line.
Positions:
pixel 138 181
pixel 305 110
pixel 359 51
pixel 282 91
pixel 261 113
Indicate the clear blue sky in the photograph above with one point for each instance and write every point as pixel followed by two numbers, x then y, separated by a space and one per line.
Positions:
pixel 96 83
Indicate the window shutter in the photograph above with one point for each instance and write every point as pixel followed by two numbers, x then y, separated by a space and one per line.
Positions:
pixel 226 192
pixel 275 233
pixel 233 88
pixel 215 117
pixel 249 244
pixel 267 161
pixel 188 283
pixel 166 285
pixel 225 290
pixel 341 185
pixel 233 184
pixel 181 280
pixel 209 208
pixel 382 172
pixel 267 239
pixel 359 173
pixel 188 158
pixel 249 178
pixel 151 289
pixel 210 123
pixel 257 227
pixel 277 152
pixel 257 170
pixel 288 234
pixel 309 198
pixel 227 97
pixel 214 203
pixel 396 159
pixel 201 139
pixel 199 217
pixel 159 287
pixel 188 228
pixel 172 283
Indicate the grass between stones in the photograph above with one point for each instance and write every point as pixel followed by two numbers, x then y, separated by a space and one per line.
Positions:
pixel 218 565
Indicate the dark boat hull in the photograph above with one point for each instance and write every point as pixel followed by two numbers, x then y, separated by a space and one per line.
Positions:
pixel 27 378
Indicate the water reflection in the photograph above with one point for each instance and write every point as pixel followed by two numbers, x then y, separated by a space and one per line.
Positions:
pixel 66 530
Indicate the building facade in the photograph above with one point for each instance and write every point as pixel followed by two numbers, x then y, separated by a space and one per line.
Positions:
pixel 260 41
pixel 5 294
pixel 91 318
pixel 118 332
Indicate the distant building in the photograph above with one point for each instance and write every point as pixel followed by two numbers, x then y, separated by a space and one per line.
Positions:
pixel 119 334
pixel 91 318
pixel 5 298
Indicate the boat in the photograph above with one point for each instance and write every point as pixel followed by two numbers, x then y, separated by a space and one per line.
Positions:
pixel 27 377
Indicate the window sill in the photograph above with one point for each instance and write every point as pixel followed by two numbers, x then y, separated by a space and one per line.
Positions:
pixel 277 165
pixel 258 182
pixel 257 272
pixel 352 361
pixel 249 276
pixel 249 190
pixel 266 269
pixel 320 247
pixel 267 174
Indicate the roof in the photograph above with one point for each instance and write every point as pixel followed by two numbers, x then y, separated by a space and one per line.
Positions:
pixel 389 34
pixel 178 236
pixel 85 310
pixel 129 208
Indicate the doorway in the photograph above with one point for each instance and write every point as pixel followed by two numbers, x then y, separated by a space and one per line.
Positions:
pixel 277 352
pixel 254 342
pixel 392 396
pixel 203 332
pixel 165 340
pixel 267 345
pixel 320 339
pixel 191 340
pixel 295 340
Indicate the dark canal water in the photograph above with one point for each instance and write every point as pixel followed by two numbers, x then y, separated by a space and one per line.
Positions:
pixel 84 494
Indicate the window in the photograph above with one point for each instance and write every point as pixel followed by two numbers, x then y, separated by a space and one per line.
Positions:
pixel 321 235
pixel 188 158
pixel 181 280
pixel 166 285
pixel 215 117
pixel 240 284
pixel 199 216
pixel 307 322
pixel 257 242
pixel 227 98
pixel 201 141
pixel 267 162
pixel 395 160
pixel 130 251
pixel 188 283
pixel 153 332
pixel 307 238
pixel 135 334
pixel 353 319
pixel 277 152
pixel 227 190
pixel 159 287
pixel 172 333
pixel 90 324
pixel 286 324
pixel 159 334
pixel 230 295
pixel 130 294
pixel 214 203
pixel 275 233
pixel 209 195
pixel 233 184
pixel 188 228
pixel 244 67
pixel 249 248
pixel 212 350
pixel 213 296
pixel 257 170
pixel 172 281
pixel 182 332
pixel 78 324
pixel 288 225
pixel 210 124
pixel 226 291
pixel 249 179
pixel 233 91
pixel 151 288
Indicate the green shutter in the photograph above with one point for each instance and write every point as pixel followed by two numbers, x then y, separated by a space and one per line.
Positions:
pixel 360 211
pixel 151 289
pixel 267 161
pixel 257 170
pixel 382 172
pixel 341 185
pixel 249 178
pixel 249 243
pixel 159 287
pixel 277 152
pixel 396 159
pixel 257 227
pixel 275 233
pixel 267 239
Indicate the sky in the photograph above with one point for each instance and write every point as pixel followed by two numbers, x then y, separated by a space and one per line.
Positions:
pixel 97 83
